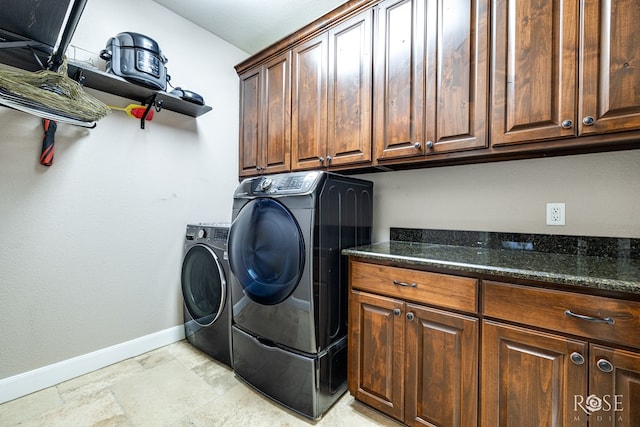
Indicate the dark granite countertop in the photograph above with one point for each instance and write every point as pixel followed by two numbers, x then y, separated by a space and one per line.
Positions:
pixel 620 274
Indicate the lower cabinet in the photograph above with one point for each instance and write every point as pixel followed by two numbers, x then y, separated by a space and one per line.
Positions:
pixel 529 378
pixel 531 357
pixel 415 363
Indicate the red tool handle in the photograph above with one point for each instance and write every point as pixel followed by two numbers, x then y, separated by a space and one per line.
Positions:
pixel 48 142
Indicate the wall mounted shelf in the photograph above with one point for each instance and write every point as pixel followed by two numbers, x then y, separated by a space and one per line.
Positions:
pixel 110 83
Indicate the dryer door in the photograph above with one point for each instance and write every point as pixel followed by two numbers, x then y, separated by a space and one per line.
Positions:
pixel 204 286
pixel 266 251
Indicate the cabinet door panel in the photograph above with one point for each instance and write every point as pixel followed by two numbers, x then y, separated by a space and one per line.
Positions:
pixel 349 91
pixel 457 58
pixel 376 352
pixel 610 81
pixel 309 104
pixel 528 379
pixel 250 100
pixel 276 138
pixel 617 393
pixel 442 368
pixel 399 79
pixel 533 70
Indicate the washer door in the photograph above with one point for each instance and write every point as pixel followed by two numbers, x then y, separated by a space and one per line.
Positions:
pixel 204 286
pixel 266 251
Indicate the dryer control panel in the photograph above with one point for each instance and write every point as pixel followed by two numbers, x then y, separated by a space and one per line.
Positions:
pixel 281 184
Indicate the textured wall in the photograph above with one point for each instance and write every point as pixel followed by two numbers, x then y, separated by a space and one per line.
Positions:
pixel 601 192
pixel 91 247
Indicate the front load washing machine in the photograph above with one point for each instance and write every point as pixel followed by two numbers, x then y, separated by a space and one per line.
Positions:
pixel 289 283
pixel 205 290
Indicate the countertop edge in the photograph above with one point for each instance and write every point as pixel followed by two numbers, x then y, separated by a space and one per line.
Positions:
pixel 599 283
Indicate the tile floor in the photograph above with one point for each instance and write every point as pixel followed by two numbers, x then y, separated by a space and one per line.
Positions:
pixel 176 385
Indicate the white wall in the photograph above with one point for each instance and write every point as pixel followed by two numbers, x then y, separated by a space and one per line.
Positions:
pixel 91 247
pixel 601 193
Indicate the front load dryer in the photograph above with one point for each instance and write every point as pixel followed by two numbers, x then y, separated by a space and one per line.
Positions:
pixel 205 290
pixel 289 283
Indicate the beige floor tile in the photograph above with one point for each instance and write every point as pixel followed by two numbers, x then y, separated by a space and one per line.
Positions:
pixel 174 386
pixel 349 412
pixel 163 395
pixel 98 380
pixel 243 406
pixel 187 354
pixel 154 358
pixel 219 376
pixel 97 410
pixel 11 413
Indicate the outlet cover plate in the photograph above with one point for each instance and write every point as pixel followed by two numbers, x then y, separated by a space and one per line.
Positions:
pixel 556 214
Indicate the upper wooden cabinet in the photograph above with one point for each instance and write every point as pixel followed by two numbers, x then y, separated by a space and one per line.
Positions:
pixel 610 67
pixel 331 113
pixel 537 50
pixel 265 117
pixel 389 83
pixel 430 89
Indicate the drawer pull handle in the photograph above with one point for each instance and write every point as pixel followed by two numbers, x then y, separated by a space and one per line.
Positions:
pixel 408 285
pixel 607 320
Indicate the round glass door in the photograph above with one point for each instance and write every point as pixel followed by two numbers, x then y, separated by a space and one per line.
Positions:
pixel 203 284
pixel 266 251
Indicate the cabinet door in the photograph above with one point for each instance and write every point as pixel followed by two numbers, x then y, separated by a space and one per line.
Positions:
pixel 349 96
pixel 442 368
pixel 456 68
pixel 376 352
pixel 276 120
pixel 398 91
pixel 610 78
pixel 528 378
pixel 309 104
pixel 250 116
pixel 533 70
pixel 614 389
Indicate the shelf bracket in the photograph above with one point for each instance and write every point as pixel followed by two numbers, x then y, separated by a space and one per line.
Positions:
pixel 153 103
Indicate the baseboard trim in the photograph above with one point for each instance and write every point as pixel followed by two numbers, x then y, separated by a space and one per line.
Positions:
pixel 47 376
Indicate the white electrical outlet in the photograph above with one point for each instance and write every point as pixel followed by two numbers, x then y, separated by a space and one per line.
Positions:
pixel 555 214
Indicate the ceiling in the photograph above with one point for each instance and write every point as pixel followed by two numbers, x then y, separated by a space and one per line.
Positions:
pixel 251 25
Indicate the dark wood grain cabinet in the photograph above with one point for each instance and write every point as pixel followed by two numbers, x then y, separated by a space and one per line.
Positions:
pixel 430 71
pixel 563 68
pixel 444 350
pixel 412 361
pixel 265 117
pixel 331 114
pixel 559 378
pixel 392 84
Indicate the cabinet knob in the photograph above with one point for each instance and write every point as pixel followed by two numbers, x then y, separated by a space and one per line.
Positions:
pixel 429 144
pixel 588 121
pixel 605 366
pixel 417 145
pixel 396 312
pixel 567 124
pixel 321 159
pixel 410 316
pixel 329 158
pixel 577 358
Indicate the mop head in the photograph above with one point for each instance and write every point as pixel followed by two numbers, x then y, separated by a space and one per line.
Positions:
pixel 50 92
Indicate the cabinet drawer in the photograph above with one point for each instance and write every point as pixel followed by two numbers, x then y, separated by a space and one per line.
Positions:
pixel 609 319
pixel 460 293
